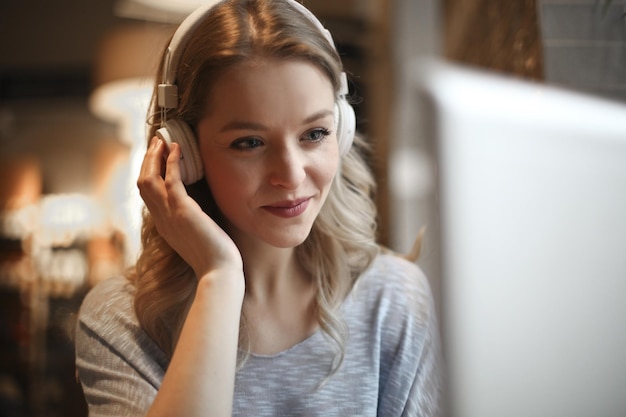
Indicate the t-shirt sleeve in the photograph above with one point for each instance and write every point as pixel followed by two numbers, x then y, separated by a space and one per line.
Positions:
pixel 411 373
pixel 118 365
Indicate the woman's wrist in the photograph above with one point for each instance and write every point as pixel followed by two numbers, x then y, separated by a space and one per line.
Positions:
pixel 227 282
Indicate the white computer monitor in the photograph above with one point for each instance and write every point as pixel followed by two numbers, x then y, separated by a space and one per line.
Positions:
pixel 532 200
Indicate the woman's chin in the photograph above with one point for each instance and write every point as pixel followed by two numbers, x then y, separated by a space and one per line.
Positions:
pixel 286 242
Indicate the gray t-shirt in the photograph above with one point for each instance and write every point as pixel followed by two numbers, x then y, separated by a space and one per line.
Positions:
pixel 391 366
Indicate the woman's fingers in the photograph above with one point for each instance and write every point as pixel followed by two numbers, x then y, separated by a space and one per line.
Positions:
pixel 150 181
pixel 159 180
pixel 152 161
pixel 174 186
pixel 172 163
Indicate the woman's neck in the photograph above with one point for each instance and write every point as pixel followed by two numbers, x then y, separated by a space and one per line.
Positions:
pixel 279 303
pixel 270 271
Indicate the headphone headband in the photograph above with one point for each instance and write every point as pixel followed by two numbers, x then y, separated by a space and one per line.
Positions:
pixel 181 37
pixel 167 93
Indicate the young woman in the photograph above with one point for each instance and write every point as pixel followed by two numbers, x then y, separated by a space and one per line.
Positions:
pixel 260 290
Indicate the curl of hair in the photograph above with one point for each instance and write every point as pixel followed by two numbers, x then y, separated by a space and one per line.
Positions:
pixel 342 242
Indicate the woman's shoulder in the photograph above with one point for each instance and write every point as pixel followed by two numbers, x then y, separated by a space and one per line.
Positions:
pixel 107 303
pixel 110 341
pixel 395 286
pixel 398 312
pixel 392 273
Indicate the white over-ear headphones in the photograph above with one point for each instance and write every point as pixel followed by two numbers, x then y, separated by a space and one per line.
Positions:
pixel 181 133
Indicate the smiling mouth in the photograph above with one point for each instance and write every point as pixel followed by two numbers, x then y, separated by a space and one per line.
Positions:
pixel 288 209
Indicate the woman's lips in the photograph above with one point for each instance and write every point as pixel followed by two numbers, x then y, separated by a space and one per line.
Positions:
pixel 288 209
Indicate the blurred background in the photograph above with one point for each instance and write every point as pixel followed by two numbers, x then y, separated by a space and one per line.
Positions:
pixel 74 86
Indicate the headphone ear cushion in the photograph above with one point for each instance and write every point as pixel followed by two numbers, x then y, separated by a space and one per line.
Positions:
pixel 191 170
pixel 346 125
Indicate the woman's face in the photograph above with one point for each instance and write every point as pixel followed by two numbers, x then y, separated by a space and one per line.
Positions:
pixel 269 149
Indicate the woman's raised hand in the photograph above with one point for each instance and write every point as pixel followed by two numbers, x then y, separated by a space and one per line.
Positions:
pixel 209 335
pixel 178 217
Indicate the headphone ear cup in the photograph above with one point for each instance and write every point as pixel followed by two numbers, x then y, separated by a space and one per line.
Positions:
pixel 191 170
pixel 346 125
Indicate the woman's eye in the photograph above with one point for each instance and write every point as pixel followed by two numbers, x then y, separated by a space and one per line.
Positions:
pixel 246 143
pixel 317 135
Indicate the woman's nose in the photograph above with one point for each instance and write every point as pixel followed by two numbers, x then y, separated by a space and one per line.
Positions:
pixel 287 167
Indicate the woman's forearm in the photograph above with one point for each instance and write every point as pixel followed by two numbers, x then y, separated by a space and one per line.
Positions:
pixel 201 376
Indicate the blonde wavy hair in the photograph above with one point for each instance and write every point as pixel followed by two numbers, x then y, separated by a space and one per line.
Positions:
pixel 342 242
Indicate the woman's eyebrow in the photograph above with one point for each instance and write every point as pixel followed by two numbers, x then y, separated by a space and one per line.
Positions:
pixel 245 125
pixel 318 115
pixel 242 125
